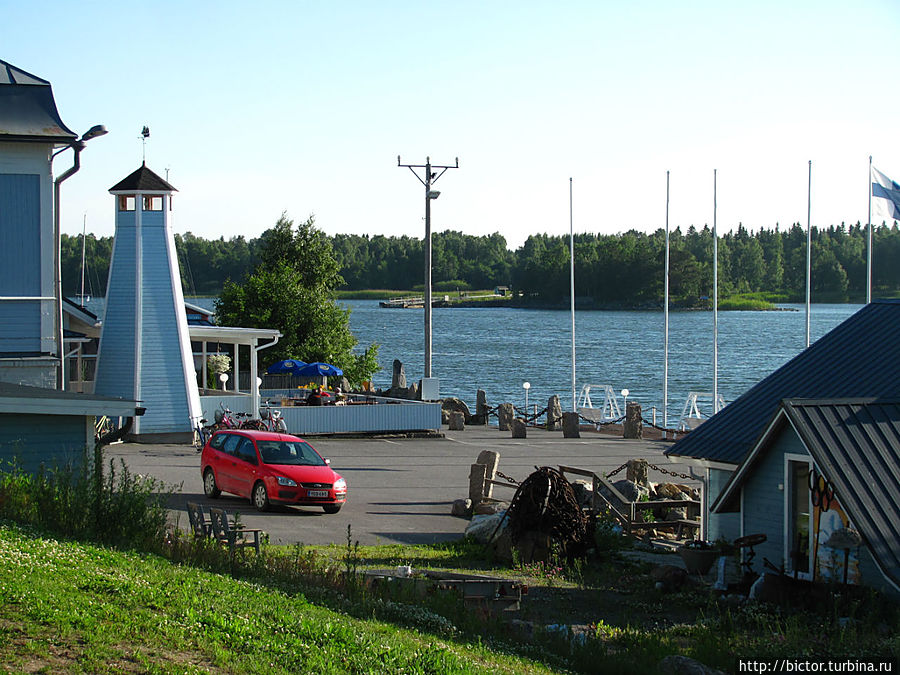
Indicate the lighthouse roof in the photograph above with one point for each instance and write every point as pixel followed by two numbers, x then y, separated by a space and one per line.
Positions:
pixel 27 109
pixel 142 180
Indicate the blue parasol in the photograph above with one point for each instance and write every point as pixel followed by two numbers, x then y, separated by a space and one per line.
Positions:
pixel 292 366
pixel 317 369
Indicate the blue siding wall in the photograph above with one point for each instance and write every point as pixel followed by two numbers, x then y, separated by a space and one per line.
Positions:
pixel 764 501
pixel 61 439
pixel 20 261
pixel 162 371
pixel 116 363
pixel 725 526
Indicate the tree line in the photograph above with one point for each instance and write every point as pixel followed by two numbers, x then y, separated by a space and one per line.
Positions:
pixel 615 270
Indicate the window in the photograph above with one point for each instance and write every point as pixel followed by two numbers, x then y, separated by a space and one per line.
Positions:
pixel 231 443
pixel 798 517
pixel 153 203
pixel 126 202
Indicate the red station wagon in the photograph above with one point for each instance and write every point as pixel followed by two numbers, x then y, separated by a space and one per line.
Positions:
pixel 268 468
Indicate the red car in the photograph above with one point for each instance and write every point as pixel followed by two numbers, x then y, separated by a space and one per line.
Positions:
pixel 268 468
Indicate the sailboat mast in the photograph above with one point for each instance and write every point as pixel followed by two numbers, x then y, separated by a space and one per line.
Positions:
pixel 666 315
pixel 715 304
pixel 572 291
pixel 83 236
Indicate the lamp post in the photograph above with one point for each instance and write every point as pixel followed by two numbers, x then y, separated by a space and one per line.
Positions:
pixel 223 378
pixel 77 146
pixel 526 386
pixel 431 177
pixel 625 393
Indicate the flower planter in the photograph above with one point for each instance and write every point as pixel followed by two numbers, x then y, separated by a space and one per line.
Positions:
pixel 698 560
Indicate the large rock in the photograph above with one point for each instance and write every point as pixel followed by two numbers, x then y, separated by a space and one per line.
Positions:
pixel 452 404
pixel 481 408
pixel 505 415
pixel 554 414
pixel 571 425
pixel 634 425
pixel 631 491
pixel 398 379
pixel 413 392
pixel 584 492
pixel 517 427
pixel 484 529
pixel 637 471
pixel 461 508
pixel 477 474
pixel 457 421
pixel 490 459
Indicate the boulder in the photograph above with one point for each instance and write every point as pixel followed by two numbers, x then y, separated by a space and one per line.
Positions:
pixel 571 425
pixel 457 421
pixel 631 491
pixel 517 427
pixel 554 414
pixel 505 415
pixel 461 508
pixel 452 404
pixel 413 392
pixel 398 378
pixel 477 474
pixel 483 529
pixel 489 507
pixel 637 471
pixel 584 492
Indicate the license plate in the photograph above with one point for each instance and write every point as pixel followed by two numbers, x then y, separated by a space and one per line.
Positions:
pixel 317 493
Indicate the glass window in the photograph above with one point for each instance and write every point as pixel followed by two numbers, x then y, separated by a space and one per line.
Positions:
pixel 153 203
pixel 289 454
pixel 798 516
pixel 217 441
pixel 126 202
pixel 246 451
pixel 231 443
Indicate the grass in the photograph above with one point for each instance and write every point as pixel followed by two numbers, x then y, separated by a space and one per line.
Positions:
pixel 158 600
pixel 80 608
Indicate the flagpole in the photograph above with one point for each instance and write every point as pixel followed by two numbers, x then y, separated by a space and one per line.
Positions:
pixel 808 248
pixel 869 247
pixel 715 303
pixel 666 315
pixel 572 291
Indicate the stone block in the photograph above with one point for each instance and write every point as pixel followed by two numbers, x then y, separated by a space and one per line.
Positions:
pixel 634 425
pixel 571 425
pixel 637 471
pixel 477 474
pixel 481 408
pixel 517 427
pixel 554 414
pixel 457 421
pixel 505 415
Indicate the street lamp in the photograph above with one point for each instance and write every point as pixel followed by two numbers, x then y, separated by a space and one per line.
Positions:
pixel 625 393
pixel 223 378
pixel 526 386
pixel 77 146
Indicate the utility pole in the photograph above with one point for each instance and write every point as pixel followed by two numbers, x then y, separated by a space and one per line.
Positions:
pixel 431 177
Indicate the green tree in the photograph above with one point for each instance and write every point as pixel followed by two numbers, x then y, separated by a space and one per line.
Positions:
pixel 292 289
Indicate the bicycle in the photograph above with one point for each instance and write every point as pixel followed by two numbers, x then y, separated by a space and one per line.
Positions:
pixel 224 419
pixel 202 432
pixel 272 420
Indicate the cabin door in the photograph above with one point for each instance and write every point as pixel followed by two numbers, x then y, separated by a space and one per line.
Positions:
pixel 798 517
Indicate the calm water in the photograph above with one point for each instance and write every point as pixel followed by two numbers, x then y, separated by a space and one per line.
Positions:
pixel 497 349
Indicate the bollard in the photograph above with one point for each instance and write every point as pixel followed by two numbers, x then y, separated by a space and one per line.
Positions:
pixel 571 425
pixel 481 408
pixel 517 426
pixel 505 415
pixel 637 471
pixel 554 414
pixel 634 426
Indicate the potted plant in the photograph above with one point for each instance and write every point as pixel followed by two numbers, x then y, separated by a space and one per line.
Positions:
pixel 698 556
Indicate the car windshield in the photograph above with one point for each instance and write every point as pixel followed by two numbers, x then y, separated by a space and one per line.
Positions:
pixel 289 453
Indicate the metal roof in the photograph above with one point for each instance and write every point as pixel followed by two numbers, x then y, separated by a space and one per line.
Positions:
pixel 856 445
pixel 20 398
pixel 858 358
pixel 142 180
pixel 27 109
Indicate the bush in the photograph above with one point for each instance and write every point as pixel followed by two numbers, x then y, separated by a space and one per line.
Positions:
pixel 114 507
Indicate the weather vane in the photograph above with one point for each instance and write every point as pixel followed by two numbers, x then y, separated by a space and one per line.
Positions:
pixel 145 134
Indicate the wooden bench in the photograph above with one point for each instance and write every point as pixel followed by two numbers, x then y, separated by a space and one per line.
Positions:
pixel 230 536
pixel 199 525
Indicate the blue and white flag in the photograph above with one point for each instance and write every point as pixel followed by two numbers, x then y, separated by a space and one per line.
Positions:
pixel 885 196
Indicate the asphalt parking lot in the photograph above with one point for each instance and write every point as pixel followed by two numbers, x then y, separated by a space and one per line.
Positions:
pixel 400 489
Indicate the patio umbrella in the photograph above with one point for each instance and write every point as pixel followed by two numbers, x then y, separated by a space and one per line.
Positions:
pixel 292 366
pixel 317 369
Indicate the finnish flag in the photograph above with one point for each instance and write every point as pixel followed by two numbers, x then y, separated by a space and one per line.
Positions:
pixel 885 196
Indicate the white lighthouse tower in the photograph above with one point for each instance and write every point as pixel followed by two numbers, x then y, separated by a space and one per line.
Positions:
pixel 145 349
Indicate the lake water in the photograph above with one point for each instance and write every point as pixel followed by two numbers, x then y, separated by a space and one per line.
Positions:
pixel 497 349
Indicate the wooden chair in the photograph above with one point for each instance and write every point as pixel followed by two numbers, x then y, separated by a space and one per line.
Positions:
pixel 232 537
pixel 199 525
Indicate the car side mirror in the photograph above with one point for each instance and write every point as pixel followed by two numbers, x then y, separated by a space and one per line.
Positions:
pixel 327 461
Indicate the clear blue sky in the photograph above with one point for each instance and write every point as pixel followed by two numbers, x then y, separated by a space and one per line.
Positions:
pixel 259 108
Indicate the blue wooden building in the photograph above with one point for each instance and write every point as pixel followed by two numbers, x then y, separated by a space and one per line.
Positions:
pixel 822 466
pixel 860 358
pixel 39 421
pixel 145 349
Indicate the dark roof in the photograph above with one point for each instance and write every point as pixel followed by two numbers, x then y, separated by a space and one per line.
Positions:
pixel 142 180
pixel 27 109
pixel 75 307
pixel 856 446
pixel 858 358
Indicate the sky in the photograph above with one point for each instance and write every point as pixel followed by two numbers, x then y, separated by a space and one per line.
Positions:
pixel 255 109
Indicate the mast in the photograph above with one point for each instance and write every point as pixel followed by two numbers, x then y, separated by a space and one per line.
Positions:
pixel 572 292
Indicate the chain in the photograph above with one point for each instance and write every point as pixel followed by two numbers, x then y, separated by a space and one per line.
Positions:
pixel 507 478
pixel 613 473
pixel 670 473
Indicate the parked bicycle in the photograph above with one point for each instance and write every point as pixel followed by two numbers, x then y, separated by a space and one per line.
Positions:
pixel 224 419
pixel 272 420
pixel 202 432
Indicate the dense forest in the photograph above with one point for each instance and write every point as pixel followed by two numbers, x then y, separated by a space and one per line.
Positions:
pixel 619 270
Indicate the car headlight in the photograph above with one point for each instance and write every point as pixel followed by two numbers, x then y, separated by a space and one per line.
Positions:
pixel 340 485
pixel 282 480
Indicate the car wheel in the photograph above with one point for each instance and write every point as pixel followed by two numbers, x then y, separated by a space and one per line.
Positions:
pixel 331 508
pixel 210 489
pixel 260 497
